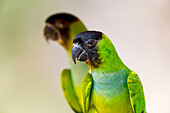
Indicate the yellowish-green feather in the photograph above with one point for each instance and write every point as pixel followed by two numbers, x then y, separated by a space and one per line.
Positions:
pixel 69 91
pixel 136 93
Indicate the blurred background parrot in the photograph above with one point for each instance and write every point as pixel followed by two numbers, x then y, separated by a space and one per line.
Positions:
pixel 110 86
pixel 63 27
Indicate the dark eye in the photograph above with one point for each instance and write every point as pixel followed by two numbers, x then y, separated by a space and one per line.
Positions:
pixel 90 43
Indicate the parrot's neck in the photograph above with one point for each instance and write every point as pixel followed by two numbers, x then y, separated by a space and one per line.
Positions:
pixel 110 64
pixel 108 57
pixel 74 29
pixel 110 69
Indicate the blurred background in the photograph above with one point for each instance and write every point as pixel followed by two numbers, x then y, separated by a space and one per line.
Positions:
pixel 30 68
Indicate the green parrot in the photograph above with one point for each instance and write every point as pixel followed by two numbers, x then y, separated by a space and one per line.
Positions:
pixel 110 86
pixel 63 27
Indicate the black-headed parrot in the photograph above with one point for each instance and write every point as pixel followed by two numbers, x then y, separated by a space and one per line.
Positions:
pixel 110 86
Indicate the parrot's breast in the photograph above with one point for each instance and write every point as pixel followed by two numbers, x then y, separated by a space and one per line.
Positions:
pixel 110 92
pixel 78 72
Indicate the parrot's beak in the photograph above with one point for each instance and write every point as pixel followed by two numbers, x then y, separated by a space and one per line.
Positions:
pixel 78 53
pixel 50 32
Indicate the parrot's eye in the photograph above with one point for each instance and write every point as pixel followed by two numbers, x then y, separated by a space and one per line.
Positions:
pixel 90 43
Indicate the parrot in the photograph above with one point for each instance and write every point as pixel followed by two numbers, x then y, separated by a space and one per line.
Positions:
pixel 63 27
pixel 109 86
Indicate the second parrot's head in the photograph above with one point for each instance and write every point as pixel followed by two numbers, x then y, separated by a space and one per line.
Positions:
pixel 92 47
pixel 62 27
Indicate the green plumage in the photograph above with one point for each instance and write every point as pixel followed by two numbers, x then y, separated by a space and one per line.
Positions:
pixel 136 93
pixel 110 86
pixel 68 89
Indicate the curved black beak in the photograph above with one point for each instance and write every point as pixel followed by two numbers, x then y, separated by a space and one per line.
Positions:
pixel 78 53
pixel 50 32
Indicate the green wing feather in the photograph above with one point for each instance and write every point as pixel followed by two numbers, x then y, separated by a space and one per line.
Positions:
pixel 86 92
pixel 136 93
pixel 69 92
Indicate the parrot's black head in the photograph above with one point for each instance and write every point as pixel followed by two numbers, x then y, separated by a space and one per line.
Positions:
pixel 57 27
pixel 85 47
